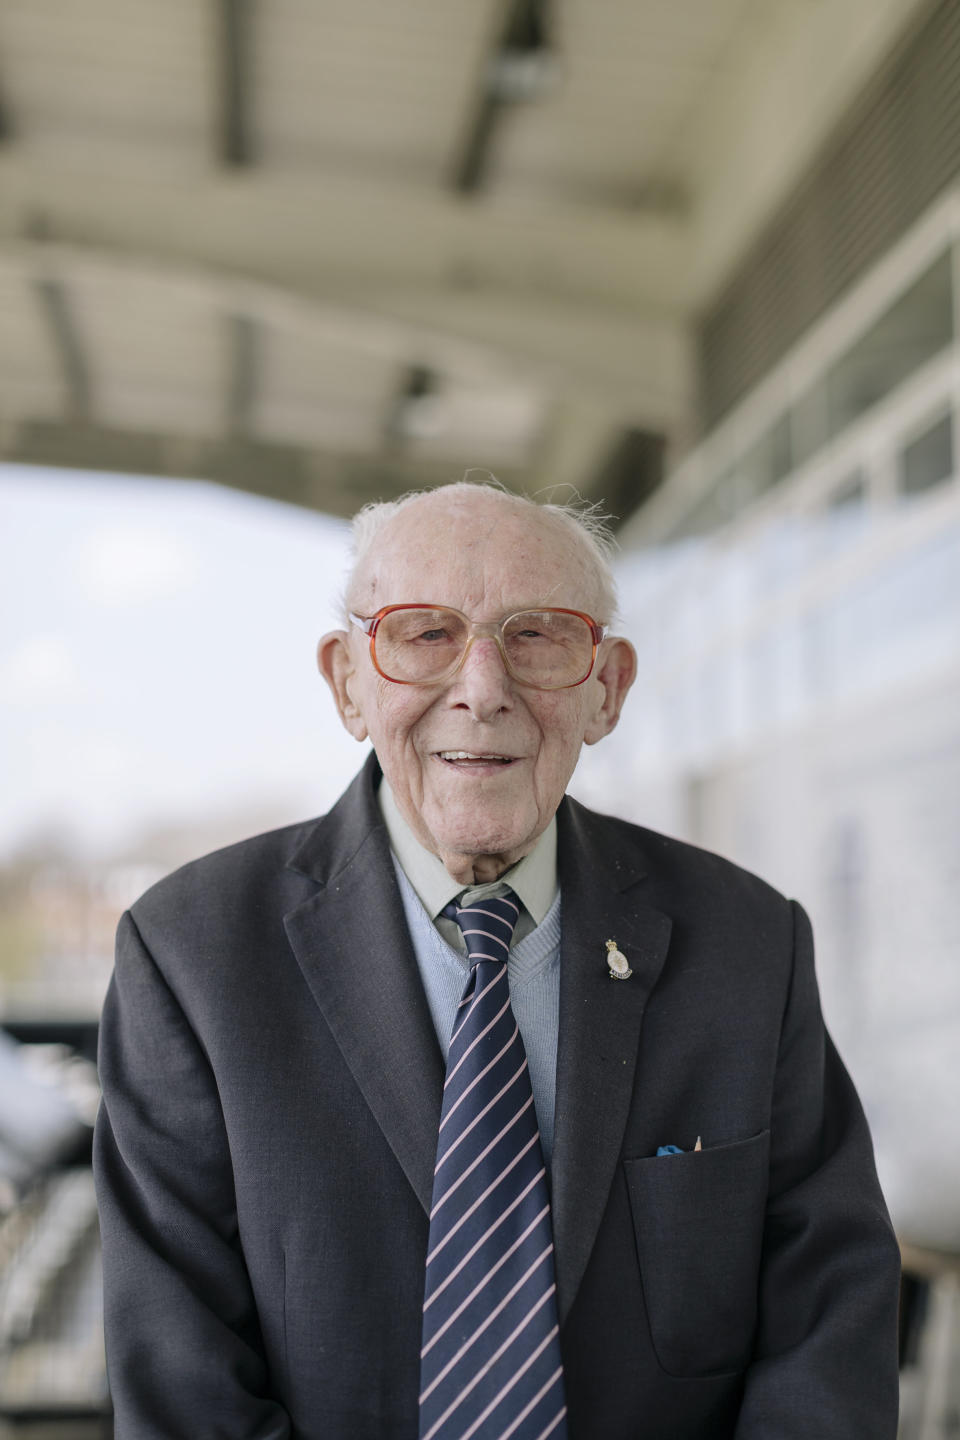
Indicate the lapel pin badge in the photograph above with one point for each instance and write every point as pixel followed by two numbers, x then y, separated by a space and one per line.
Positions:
pixel 617 962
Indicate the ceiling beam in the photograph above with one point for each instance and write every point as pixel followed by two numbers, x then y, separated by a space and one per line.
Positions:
pixel 243 376
pixel 62 328
pixel 337 484
pixel 412 410
pixel 636 362
pixel 516 68
pixel 7 130
pixel 234 55
pixel 331 228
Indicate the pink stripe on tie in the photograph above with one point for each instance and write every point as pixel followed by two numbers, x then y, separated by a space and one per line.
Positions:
pixel 486 1280
pixel 480 1199
pixel 471 1000
pixel 485 1369
pixel 454 1359
pixel 472 910
pixel 481 1157
pixel 477 1118
pixel 535 1401
pixel 477 1078
pixel 553 1423
pixel 504 1007
pixel 476 909
pixel 477 1244
pixel 527 1408
pixel 487 935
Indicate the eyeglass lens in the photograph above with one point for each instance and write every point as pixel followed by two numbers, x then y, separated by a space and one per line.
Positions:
pixel 543 647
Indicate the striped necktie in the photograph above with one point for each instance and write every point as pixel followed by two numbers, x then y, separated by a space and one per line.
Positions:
pixel 490 1364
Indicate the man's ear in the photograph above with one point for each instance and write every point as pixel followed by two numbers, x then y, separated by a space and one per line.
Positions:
pixel 335 663
pixel 616 672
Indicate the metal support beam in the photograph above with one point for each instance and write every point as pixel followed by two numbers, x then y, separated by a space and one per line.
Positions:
pixel 516 69
pixel 631 470
pixel 350 234
pixel 244 373
pixel 233 56
pixel 411 411
pixel 334 483
pixel 6 121
pixel 62 327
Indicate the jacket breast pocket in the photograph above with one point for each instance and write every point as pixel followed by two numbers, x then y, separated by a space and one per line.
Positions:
pixel 698 1219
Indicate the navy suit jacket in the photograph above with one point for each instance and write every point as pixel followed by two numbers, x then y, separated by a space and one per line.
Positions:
pixel 265 1149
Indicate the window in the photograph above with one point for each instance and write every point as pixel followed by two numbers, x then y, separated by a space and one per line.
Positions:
pixel 767 461
pixel 850 492
pixel 913 330
pixel 927 460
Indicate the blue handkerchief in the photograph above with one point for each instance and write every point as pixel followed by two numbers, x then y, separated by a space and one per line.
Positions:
pixel 669 1150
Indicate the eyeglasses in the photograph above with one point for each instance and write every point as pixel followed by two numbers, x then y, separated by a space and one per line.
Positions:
pixel 548 649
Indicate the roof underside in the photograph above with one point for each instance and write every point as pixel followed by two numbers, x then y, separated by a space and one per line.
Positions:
pixel 329 253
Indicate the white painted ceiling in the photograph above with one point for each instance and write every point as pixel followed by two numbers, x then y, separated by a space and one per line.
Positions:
pixel 332 318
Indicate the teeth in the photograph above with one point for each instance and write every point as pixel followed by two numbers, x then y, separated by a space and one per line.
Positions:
pixel 468 755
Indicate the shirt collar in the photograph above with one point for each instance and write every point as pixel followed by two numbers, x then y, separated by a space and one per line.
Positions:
pixel 533 879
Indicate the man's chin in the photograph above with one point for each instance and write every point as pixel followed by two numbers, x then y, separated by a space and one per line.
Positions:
pixel 490 849
pixel 476 835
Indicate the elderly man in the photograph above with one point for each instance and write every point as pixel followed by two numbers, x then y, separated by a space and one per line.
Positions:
pixel 464 1111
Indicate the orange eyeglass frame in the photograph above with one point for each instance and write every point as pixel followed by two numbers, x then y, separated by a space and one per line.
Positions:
pixel 493 629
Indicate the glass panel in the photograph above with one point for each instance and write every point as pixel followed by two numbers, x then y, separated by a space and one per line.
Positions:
pixel 916 327
pixel 712 511
pixel 928 460
pixel 767 461
pixel 912 331
pixel 852 490
pixel 810 416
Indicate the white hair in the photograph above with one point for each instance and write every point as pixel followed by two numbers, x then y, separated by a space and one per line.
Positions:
pixel 578 518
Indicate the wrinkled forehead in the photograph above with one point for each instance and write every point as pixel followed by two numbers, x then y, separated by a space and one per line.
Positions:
pixel 484 555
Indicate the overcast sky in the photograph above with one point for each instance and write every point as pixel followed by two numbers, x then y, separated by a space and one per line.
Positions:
pixel 157 656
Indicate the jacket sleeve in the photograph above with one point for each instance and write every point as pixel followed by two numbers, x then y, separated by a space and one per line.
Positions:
pixel 825 1355
pixel 184 1352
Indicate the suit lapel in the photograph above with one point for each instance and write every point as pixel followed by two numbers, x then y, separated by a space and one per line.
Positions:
pixel 599 1026
pixel 353 946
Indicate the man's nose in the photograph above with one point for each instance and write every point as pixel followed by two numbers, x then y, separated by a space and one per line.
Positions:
pixel 482 684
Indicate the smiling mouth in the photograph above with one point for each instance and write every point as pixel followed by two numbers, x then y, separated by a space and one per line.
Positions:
pixel 466 758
